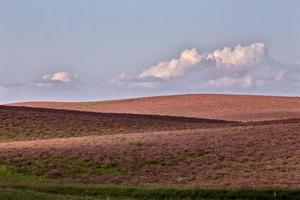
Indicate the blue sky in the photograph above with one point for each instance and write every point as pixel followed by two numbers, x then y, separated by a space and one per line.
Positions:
pixel 93 49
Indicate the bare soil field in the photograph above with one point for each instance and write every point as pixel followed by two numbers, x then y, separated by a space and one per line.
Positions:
pixel 257 155
pixel 254 142
pixel 212 106
pixel 21 123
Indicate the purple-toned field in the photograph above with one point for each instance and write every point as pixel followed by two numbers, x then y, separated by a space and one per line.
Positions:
pixel 21 123
pixel 153 150
pixel 241 156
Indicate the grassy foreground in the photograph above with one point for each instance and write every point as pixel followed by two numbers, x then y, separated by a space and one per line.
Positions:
pixel 16 185
pixel 12 194
pixel 57 191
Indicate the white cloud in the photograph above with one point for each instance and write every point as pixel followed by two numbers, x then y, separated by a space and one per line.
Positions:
pixel 235 58
pixel 239 56
pixel 226 81
pixel 174 67
pixel 60 78
pixel 64 77
pixel 241 67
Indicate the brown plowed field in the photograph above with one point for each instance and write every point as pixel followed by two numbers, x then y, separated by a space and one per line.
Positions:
pixel 138 149
pixel 239 156
pixel 22 123
pixel 226 107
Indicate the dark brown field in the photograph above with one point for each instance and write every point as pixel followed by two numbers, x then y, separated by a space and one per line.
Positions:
pixel 18 123
pixel 153 150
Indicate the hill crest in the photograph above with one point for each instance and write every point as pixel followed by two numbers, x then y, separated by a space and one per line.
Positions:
pixel 212 106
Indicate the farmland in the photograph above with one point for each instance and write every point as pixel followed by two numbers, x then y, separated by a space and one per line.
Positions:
pixel 211 106
pixel 36 123
pixel 51 153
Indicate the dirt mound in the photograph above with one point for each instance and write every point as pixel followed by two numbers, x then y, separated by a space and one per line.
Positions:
pixel 226 107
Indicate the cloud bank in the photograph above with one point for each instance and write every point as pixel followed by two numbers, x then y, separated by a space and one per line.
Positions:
pixel 235 58
pixel 240 67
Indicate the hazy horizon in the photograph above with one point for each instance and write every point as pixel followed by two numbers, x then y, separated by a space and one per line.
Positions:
pixel 98 50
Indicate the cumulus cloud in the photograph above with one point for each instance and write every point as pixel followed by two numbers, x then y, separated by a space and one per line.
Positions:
pixel 58 78
pixel 174 67
pixel 64 77
pixel 239 56
pixel 236 58
pixel 240 67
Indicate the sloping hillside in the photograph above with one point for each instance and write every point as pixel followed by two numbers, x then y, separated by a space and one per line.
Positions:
pixel 265 155
pixel 22 123
pixel 76 146
pixel 226 107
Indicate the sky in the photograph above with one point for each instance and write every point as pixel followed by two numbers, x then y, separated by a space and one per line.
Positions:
pixel 85 50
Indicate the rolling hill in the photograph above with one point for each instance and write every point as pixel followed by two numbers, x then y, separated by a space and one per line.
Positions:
pixel 212 106
pixel 219 142
pixel 253 156
pixel 23 123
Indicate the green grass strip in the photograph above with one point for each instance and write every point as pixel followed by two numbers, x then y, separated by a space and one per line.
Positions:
pixel 117 192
